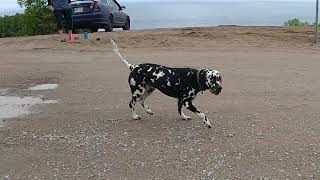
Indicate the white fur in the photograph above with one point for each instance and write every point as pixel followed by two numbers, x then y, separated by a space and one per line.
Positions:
pixel 184 117
pixel 159 75
pixel 134 115
pixel 205 120
pixel 132 82
pixel 116 50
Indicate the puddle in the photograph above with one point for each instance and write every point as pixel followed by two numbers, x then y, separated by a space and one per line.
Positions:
pixel 12 106
pixel 43 87
pixel 50 102
pixel 3 91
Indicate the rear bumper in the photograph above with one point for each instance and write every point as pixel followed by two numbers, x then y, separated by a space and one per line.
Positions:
pixel 89 20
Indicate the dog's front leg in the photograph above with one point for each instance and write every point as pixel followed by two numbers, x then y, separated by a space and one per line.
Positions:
pixel 189 106
pixel 183 116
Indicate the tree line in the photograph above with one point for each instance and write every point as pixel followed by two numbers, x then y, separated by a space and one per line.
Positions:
pixel 36 20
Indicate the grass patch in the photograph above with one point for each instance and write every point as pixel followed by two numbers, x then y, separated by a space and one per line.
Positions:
pixel 298 23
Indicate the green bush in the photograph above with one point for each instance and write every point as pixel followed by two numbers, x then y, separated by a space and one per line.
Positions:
pixel 36 20
pixel 298 23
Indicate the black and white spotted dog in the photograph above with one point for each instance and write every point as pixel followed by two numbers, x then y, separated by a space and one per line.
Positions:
pixel 180 83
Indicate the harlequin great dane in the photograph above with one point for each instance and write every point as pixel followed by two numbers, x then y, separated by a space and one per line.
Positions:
pixel 180 83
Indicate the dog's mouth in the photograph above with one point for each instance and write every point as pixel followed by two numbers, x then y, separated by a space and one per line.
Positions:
pixel 216 90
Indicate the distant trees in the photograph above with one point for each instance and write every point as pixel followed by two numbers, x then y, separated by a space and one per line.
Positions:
pixel 298 23
pixel 36 20
pixel 12 26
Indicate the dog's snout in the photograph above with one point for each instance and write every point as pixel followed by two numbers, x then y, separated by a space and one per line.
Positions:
pixel 219 89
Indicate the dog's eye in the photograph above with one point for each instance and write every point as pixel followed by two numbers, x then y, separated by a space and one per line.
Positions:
pixel 213 79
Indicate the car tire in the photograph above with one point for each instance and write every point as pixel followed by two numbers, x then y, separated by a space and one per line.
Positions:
pixel 109 26
pixel 126 27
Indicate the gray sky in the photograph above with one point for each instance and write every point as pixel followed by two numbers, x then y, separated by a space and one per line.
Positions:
pixel 11 6
pixel 8 4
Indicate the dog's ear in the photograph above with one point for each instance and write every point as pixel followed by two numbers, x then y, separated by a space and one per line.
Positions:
pixel 219 78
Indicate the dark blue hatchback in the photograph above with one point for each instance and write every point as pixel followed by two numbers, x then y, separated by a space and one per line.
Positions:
pixel 95 14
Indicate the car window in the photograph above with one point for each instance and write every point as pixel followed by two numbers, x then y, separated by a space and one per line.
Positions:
pixel 110 3
pixel 114 5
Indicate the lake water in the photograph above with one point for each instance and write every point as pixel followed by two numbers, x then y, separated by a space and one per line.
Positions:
pixel 180 13
pixel 146 15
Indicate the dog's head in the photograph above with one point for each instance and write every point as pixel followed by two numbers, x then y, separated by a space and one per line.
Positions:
pixel 214 81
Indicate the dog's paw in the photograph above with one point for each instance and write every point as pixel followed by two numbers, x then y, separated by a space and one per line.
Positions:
pixel 186 118
pixel 149 111
pixel 136 117
pixel 207 122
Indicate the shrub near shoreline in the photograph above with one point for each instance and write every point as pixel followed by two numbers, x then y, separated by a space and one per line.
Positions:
pixel 298 23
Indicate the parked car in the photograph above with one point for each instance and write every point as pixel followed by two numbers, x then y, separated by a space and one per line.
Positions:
pixel 95 14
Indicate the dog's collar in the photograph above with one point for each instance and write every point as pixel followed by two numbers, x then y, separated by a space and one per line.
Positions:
pixel 198 79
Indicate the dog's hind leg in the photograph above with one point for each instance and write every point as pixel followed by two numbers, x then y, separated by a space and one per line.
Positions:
pixel 132 105
pixel 184 117
pixel 137 95
pixel 189 106
pixel 148 92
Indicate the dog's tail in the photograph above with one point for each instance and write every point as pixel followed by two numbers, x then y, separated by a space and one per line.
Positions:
pixel 116 50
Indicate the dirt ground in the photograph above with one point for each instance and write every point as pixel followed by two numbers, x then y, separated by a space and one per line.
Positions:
pixel 266 122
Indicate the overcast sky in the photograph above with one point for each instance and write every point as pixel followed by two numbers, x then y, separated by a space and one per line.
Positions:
pixel 11 6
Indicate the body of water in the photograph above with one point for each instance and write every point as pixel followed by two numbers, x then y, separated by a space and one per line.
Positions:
pixel 175 13
pixel 148 15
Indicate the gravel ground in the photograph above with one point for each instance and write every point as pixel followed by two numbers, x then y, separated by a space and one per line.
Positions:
pixel 265 122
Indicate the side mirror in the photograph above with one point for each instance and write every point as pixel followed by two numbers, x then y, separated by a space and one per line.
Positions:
pixel 122 7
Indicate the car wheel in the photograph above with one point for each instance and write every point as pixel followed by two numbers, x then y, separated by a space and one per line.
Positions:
pixel 127 25
pixel 109 26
